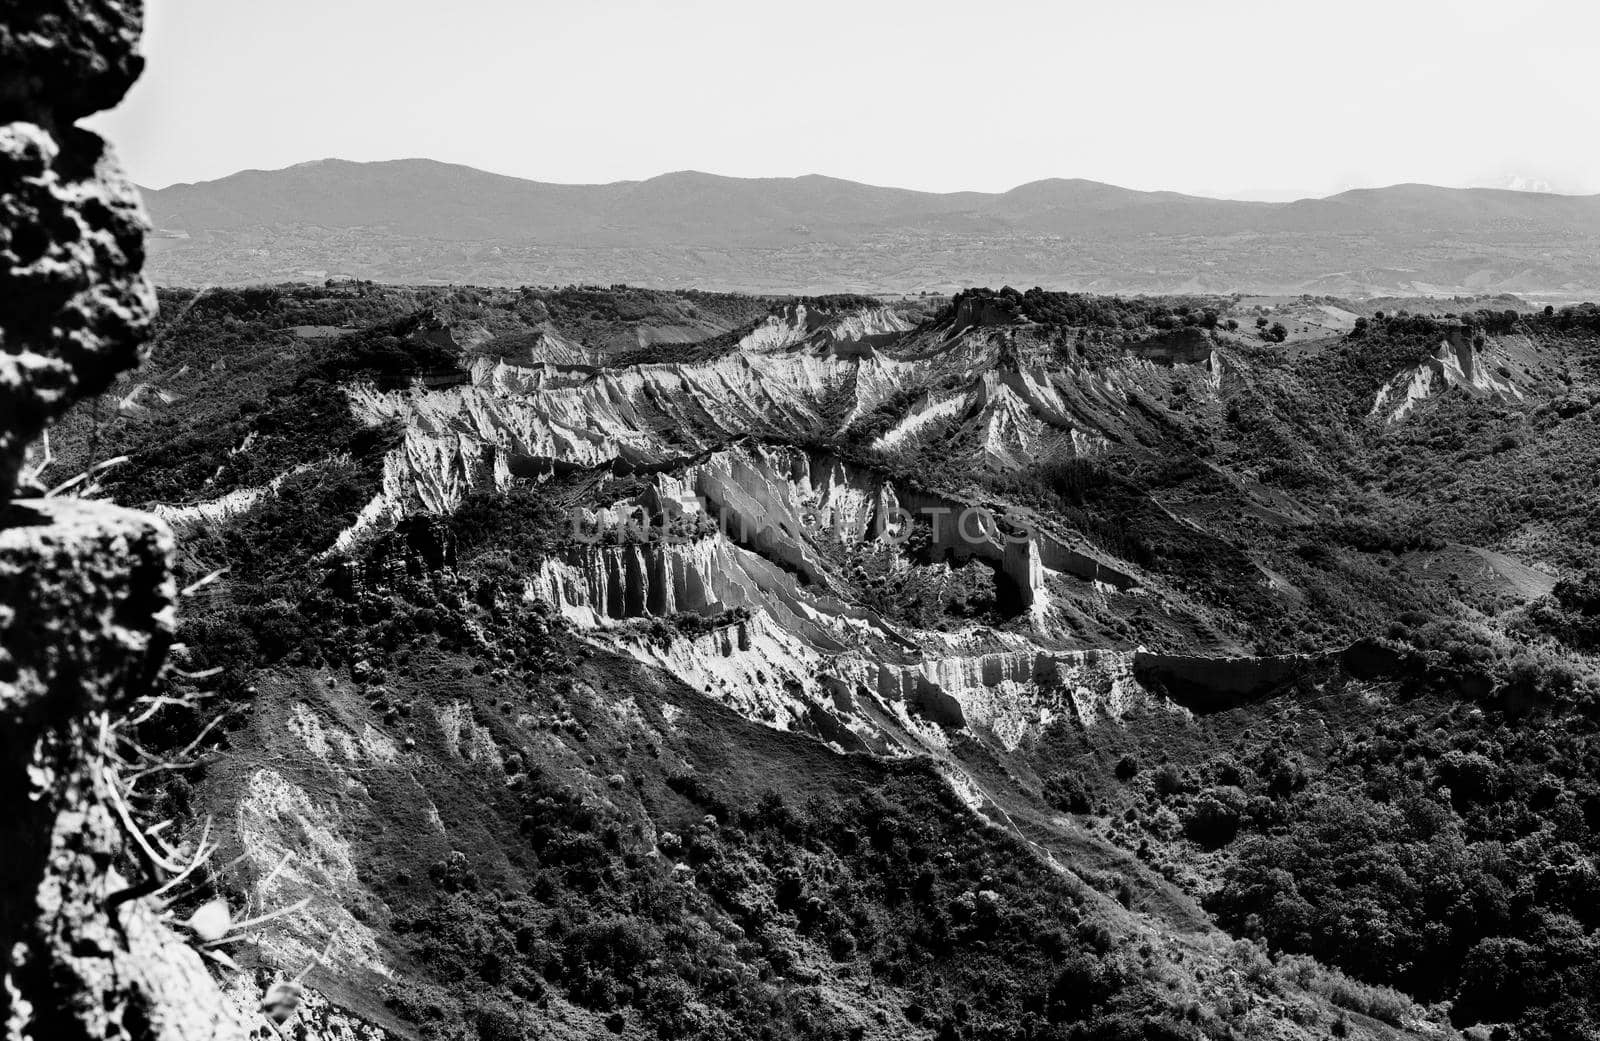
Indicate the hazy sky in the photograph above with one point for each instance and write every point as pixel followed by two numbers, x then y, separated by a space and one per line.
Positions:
pixel 1237 97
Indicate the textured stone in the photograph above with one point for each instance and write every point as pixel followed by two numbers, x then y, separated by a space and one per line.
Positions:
pixel 86 614
pixel 75 306
pixel 86 591
pixel 88 603
pixel 119 975
pixel 66 58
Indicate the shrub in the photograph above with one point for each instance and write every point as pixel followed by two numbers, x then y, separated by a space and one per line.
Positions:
pixel 1213 818
pixel 1168 780
pixel 1066 792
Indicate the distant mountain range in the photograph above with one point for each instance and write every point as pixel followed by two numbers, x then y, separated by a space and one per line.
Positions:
pixel 416 220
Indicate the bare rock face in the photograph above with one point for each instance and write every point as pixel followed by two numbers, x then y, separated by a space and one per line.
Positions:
pixel 86 592
pixel 75 306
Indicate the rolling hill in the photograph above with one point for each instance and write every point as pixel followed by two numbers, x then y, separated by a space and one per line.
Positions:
pixel 424 221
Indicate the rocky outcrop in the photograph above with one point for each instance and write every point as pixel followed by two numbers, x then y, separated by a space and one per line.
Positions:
pixel 1458 363
pixel 86 594
pixel 67 58
pixel 771 496
pixel 764 530
pixel 601 585
pixel 1058 556
pixel 1004 416
pixel 524 420
pixel 88 600
pixel 1187 346
pixel 74 304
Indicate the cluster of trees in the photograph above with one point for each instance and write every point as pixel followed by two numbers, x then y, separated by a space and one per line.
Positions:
pixel 216 317
pixel 318 466
pixel 1440 846
pixel 1092 311
pixel 730 922
pixel 1349 374
pixel 1575 318
pixel 1571 612
pixel 576 306
pixel 1277 332
pixel 1380 529
pixel 1456 862
pixel 832 303
pixel 294 412
pixel 1497 469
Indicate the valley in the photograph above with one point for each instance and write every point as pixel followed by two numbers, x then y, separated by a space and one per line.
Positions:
pixel 442 605
pixel 994 665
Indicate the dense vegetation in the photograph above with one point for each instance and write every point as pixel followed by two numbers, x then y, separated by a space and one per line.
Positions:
pixel 1444 848
pixel 1089 311
pixel 731 930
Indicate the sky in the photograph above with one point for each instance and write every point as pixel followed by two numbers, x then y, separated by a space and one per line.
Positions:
pixel 1264 99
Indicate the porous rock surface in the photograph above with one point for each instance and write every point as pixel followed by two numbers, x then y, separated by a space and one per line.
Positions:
pixel 74 303
pixel 86 591
pixel 86 612
pixel 70 58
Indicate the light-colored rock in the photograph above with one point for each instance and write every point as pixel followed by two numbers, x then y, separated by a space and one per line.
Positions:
pixel 1457 363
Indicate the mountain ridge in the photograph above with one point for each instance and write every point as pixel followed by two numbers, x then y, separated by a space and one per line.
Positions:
pixel 425 161
pixel 424 220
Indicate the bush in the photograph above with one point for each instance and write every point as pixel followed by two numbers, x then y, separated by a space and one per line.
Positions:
pixel 1169 780
pixel 1066 792
pixel 1213 818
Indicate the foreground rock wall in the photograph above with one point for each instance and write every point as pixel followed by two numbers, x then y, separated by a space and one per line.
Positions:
pixel 88 611
pixel 86 593
pixel 74 303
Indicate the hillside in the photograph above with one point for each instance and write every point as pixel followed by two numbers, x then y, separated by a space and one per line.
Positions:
pixel 419 220
pixel 1019 665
